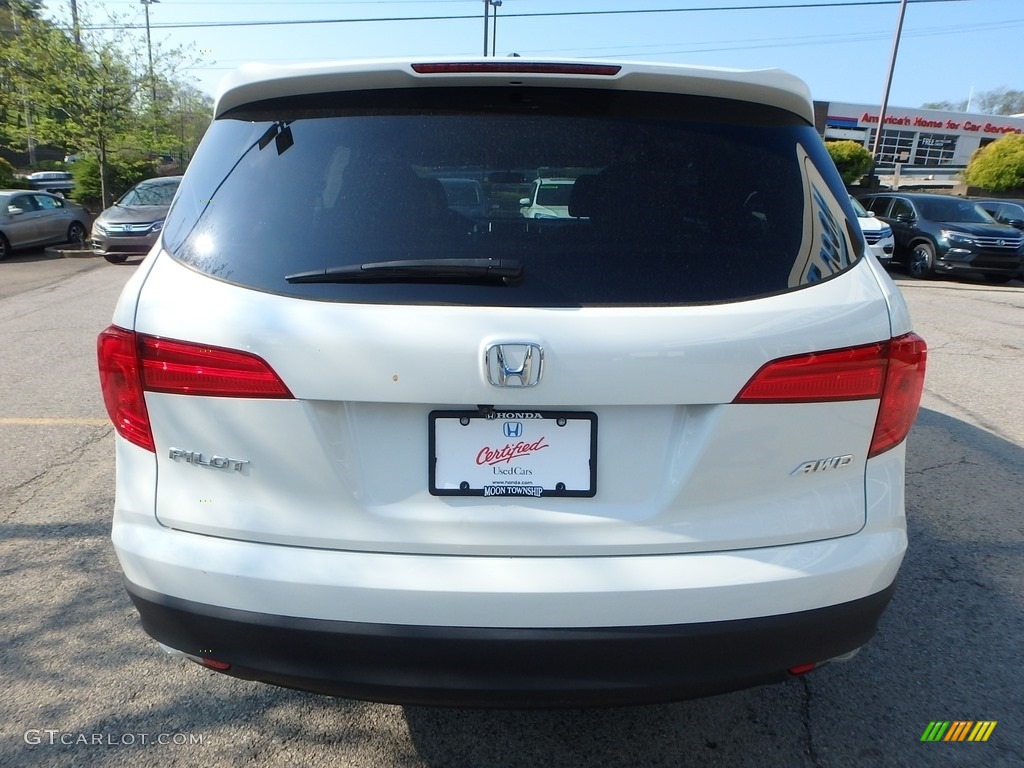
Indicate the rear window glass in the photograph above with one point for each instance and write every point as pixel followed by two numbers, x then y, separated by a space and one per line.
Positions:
pixel 953 210
pixel 602 197
pixel 555 193
pixel 151 193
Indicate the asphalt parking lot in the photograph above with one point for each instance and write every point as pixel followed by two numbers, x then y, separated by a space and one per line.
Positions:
pixel 83 686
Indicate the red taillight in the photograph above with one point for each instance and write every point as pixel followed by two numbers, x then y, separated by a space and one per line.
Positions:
pixel 131 364
pixel 184 368
pixel 513 67
pixel 892 371
pixel 122 386
pixel 856 373
pixel 901 397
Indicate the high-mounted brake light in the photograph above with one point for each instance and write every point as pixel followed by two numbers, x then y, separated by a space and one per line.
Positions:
pixel 891 371
pixel 131 364
pixel 513 67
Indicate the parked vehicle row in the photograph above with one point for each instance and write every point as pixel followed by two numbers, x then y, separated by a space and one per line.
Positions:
pixel 941 234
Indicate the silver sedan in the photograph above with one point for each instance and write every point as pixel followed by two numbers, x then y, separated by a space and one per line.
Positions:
pixel 30 218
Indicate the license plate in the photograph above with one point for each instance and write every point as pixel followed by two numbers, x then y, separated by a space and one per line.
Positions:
pixel 513 453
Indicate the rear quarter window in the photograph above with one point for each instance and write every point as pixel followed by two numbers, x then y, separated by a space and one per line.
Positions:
pixel 663 199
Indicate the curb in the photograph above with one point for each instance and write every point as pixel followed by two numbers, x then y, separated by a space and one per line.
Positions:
pixel 71 253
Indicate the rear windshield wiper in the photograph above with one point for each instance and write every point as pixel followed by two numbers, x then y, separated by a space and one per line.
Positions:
pixel 417 270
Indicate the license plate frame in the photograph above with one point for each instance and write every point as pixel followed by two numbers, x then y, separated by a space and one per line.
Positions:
pixel 521 452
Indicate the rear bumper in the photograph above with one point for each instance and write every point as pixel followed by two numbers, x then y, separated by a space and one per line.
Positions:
pixel 508 667
pixel 882 251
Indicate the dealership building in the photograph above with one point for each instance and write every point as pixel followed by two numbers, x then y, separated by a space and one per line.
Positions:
pixel 914 137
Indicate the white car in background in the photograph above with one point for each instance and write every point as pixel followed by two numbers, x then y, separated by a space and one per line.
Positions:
pixel 877 233
pixel 373 450
pixel 548 199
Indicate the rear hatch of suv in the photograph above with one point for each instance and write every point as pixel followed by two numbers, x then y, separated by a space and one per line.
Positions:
pixel 393 376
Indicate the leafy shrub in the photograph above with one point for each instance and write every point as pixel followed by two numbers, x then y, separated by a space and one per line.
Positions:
pixel 122 175
pixel 851 159
pixel 7 177
pixel 998 166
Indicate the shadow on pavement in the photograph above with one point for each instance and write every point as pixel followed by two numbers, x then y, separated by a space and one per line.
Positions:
pixel 76 663
pixel 948 648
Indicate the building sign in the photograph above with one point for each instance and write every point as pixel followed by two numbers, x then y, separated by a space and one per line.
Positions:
pixel 920 136
pixel 973 126
pixel 937 143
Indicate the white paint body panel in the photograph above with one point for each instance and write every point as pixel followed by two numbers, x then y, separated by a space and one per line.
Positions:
pixel 680 469
pixel 511 591
pixel 255 82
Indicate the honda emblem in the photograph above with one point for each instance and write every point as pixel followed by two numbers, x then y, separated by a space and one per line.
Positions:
pixel 517 364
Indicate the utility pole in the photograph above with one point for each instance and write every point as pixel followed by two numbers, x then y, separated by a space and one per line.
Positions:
pixel 487 16
pixel 494 29
pixel 149 47
pixel 75 30
pixel 885 94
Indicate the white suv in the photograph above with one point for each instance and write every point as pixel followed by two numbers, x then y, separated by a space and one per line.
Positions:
pixel 548 199
pixel 371 447
pixel 877 233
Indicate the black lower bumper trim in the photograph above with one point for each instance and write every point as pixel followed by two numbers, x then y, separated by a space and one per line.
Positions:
pixel 508 667
pixel 987 267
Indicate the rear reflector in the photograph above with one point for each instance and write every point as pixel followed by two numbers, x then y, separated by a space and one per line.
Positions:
pixel 131 364
pixel 891 371
pixel 220 666
pixel 512 67
pixel 802 669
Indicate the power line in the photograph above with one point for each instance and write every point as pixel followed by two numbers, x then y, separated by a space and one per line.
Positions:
pixel 651 49
pixel 541 14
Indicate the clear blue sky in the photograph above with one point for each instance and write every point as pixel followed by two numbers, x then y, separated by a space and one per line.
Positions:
pixel 841 51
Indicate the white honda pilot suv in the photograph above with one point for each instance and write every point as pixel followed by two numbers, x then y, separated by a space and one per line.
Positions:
pixel 371 447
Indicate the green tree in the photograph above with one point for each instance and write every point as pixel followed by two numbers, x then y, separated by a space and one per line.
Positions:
pixel 187 112
pixel 121 175
pixel 999 101
pixel 999 166
pixel 7 177
pixel 17 19
pixel 851 159
pixel 93 97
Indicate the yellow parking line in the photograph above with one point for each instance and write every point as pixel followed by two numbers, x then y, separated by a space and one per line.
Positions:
pixel 51 422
